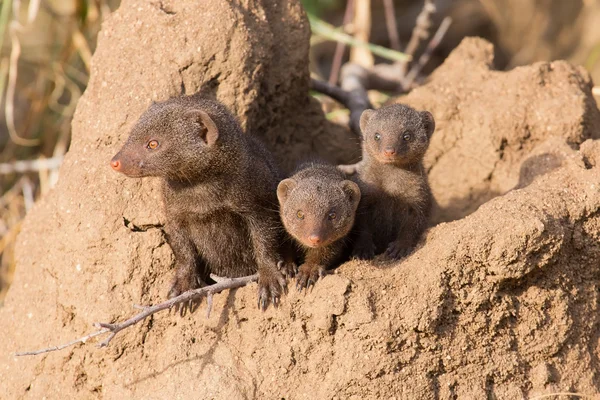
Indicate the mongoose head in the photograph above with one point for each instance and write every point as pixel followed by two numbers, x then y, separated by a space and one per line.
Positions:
pixel 176 139
pixel 315 213
pixel 396 134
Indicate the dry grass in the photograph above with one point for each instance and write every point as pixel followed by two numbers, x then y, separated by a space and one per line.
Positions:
pixel 44 68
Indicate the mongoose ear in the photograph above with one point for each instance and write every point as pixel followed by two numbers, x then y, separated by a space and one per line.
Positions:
pixel 364 119
pixel 352 191
pixel 207 128
pixel 428 122
pixel 284 189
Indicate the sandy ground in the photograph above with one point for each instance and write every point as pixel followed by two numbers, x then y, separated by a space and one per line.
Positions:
pixel 500 300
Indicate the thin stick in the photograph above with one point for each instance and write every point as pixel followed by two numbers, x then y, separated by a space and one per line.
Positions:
pixel 421 29
pixel 82 48
pixel 15 53
pixel 27 189
pixel 424 59
pixel 63 346
pixel 182 298
pixel 4 18
pixel 188 296
pixel 340 47
pixel 362 31
pixel 420 32
pixel 30 165
pixel 390 23
pixel 209 303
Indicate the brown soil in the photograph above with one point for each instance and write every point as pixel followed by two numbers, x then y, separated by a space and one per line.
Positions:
pixel 489 121
pixel 502 302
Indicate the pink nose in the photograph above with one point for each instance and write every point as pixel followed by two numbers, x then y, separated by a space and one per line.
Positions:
pixel 389 151
pixel 314 239
pixel 116 165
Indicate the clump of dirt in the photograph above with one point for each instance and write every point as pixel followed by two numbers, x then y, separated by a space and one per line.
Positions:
pixel 500 303
pixel 487 122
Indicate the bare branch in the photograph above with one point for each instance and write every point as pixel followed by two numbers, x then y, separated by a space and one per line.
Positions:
pixel 190 295
pixel 433 44
pixel 362 32
pixel 421 29
pixel 340 46
pixel 390 22
pixel 209 303
pixel 62 346
pixel 420 32
pixel 31 165
pixel 13 28
pixel 182 298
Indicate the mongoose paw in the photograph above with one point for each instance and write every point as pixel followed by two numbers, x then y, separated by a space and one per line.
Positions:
pixel 348 169
pixel 397 250
pixel 271 285
pixel 288 268
pixel 183 284
pixel 308 275
pixel 365 252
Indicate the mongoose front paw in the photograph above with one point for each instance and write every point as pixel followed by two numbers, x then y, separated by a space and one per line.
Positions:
pixel 308 275
pixel 347 169
pixel 288 268
pixel 364 252
pixel 182 284
pixel 396 251
pixel 271 285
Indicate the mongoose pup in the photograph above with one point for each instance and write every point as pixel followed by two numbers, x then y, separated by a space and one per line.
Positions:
pixel 219 192
pixel 317 207
pixel 396 197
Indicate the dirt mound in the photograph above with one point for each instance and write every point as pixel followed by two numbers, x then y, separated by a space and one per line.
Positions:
pixel 487 122
pixel 501 303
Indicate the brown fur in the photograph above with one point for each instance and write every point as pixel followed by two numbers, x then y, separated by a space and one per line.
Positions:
pixel 396 201
pixel 219 192
pixel 318 203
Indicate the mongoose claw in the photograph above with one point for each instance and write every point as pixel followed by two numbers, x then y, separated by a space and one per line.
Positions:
pixel 173 291
pixel 182 284
pixel 308 275
pixel 270 288
pixel 363 253
pixel 396 251
pixel 288 268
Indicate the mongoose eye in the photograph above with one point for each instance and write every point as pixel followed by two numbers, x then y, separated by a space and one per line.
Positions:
pixel 332 215
pixel 377 136
pixel 406 137
pixel 300 215
pixel 152 144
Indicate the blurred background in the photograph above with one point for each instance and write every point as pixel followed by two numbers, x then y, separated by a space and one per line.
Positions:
pixel 46 47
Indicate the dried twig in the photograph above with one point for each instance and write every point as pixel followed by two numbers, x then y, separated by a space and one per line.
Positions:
pixel 362 31
pixel 355 99
pixel 14 28
pixel 424 59
pixel 393 77
pixel 63 346
pixel 186 297
pixel 30 165
pixel 27 193
pixel 420 31
pixel 182 298
pixel 82 48
pixel 390 22
pixel 340 47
